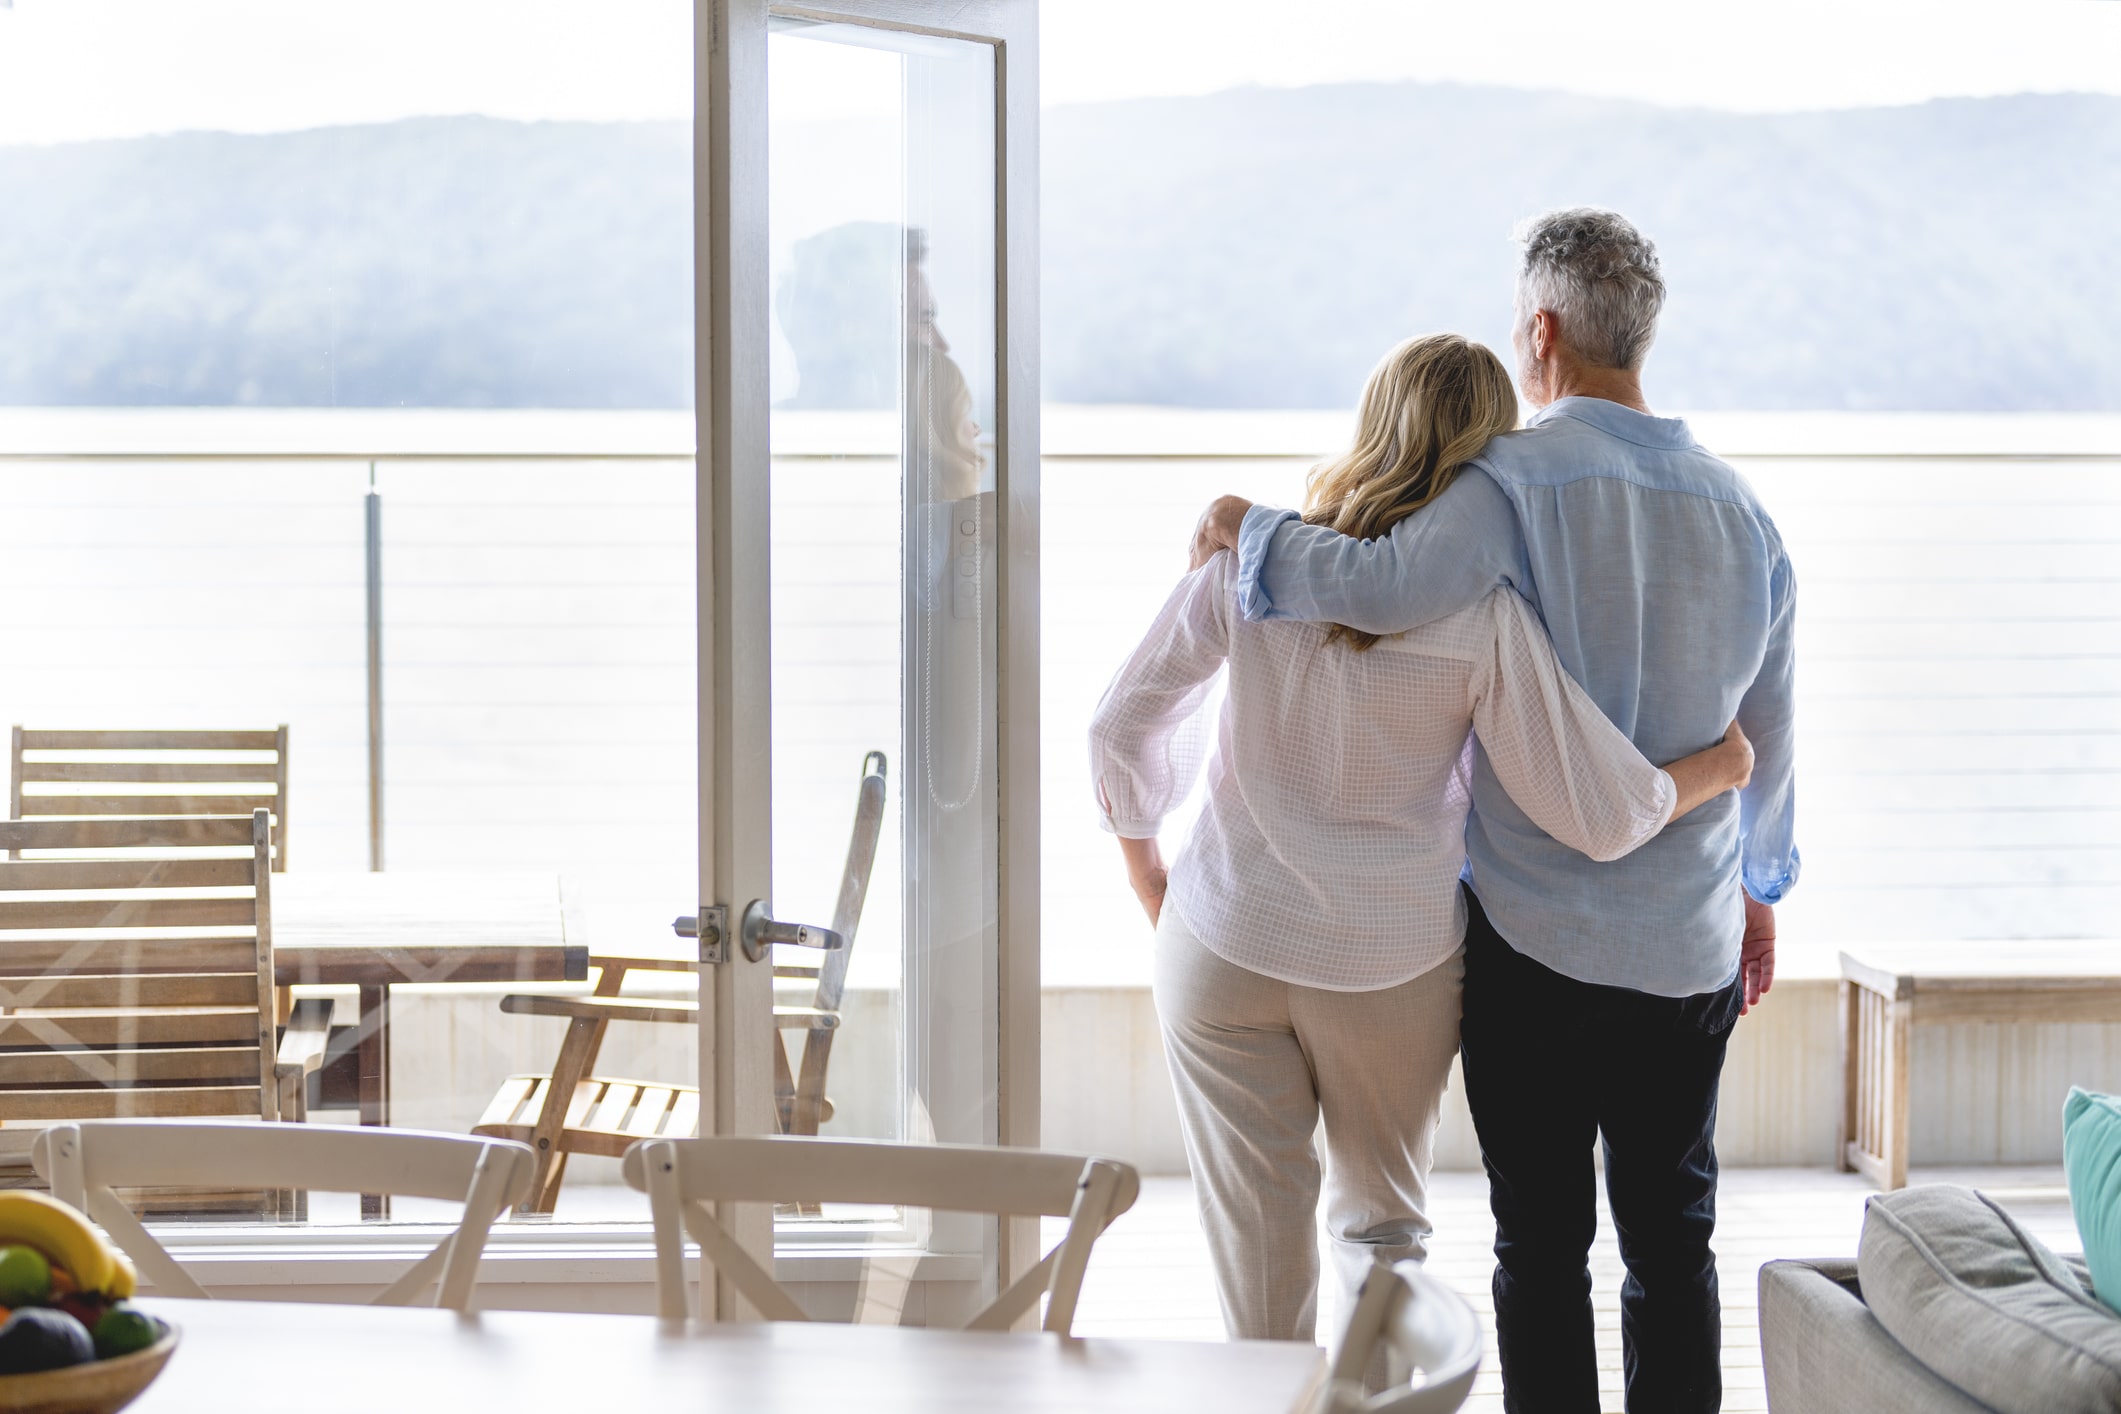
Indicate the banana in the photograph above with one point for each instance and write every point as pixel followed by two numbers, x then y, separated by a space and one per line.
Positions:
pixel 61 1234
pixel 125 1279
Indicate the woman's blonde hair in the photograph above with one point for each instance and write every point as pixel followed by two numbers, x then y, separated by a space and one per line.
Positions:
pixel 1430 406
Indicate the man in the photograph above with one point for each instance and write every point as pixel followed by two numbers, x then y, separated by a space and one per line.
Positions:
pixel 1599 998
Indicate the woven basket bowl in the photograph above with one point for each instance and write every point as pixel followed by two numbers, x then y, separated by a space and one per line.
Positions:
pixel 98 1387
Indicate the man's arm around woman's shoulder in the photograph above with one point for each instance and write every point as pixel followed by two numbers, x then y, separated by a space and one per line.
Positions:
pixel 1435 562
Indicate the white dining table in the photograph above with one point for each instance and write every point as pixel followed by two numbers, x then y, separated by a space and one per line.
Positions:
pixel 236 1357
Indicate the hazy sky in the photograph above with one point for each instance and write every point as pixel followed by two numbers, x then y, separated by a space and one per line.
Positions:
pixel 108 68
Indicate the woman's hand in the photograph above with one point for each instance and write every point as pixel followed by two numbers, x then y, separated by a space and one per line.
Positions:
pixel 1146 875
pixel 1149 888
pixel 1737 754
pixel 1700 778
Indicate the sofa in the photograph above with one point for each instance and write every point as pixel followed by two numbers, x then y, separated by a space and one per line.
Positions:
pixel 1949 1308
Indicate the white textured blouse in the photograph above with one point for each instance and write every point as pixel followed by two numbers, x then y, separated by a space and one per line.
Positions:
pixel 1328 850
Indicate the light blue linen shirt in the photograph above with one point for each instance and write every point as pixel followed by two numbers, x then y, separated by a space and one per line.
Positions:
pixel 1669 597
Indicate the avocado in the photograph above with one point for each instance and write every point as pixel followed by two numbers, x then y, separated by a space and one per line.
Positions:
pixel 42 1339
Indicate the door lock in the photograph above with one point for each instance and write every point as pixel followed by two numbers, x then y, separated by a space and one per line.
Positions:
pixel 711 927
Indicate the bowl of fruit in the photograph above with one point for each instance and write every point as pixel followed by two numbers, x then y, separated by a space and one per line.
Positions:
pixel 71 1341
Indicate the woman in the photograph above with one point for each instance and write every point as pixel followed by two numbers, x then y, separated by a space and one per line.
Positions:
pixel 1308 948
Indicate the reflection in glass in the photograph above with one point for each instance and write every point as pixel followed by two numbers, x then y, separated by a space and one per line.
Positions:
pixel 883 576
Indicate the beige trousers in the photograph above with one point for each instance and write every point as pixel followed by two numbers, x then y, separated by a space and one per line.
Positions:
pixel 1256 1062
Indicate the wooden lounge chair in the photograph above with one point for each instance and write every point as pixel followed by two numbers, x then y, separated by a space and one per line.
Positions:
pixel 683 1177
pixel 574 1111
pixel 95 773
pixel 104 1015
pixel 125 773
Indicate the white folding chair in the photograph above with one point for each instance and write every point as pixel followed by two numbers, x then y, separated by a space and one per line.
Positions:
pixel 681 1176
pixel 84 1162
pixel 1431 1340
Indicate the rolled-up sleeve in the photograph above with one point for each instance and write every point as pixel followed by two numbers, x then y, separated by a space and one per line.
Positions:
pixel 1441 559
pixel 1767 808
pixel 1570 769
pixel 1145 747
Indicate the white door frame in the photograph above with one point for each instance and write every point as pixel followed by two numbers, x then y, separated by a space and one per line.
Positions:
pixel 730 264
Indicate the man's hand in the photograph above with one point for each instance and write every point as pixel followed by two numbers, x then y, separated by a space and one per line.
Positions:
pixel 1217 529
pixel 1756 955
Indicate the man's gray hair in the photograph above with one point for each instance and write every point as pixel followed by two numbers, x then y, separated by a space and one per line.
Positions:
pixel 1600 278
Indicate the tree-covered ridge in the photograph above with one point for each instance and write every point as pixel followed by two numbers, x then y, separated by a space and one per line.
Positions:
pixel 1252 248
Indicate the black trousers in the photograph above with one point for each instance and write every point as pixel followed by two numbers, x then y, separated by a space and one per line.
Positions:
pixel 1551 1065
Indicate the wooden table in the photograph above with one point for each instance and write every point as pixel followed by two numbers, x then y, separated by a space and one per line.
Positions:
pixel 1888 989
pixel 376 931
pixel 269 1356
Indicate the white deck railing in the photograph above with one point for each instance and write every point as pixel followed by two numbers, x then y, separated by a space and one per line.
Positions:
pixel 1960 669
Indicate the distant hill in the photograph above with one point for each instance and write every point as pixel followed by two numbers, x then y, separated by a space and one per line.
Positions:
pixel 447 262
pixel 1262 247
pixel 1251 248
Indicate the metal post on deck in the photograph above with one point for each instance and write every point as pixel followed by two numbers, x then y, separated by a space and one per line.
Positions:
pixel 375 673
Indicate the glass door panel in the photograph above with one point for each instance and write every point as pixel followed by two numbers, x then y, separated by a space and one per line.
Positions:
pixel 883 385
pixel 351 398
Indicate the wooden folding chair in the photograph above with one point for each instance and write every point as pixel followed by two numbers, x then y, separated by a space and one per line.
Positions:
pixel 800 1103
pixel 1430 1338
pixel 106 1014
pixel 86 1163
pixel 140 983
pixel 129 773
pixel 573 1111
pixel 682 1176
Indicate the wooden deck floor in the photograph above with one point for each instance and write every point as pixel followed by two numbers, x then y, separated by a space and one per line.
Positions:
pixel 1149 1276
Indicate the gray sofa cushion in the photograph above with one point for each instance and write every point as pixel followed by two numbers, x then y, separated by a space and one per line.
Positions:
pixel 1978 1300
pixel 1823 1352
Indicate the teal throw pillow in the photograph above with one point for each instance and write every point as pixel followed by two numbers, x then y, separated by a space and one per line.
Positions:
pixel 2091 1153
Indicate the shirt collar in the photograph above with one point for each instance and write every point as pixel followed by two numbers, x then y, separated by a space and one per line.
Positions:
pixel 1623 422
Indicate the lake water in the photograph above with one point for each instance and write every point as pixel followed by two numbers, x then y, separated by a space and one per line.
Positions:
pixel 1960 640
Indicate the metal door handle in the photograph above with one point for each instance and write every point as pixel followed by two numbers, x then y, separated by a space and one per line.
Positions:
pixel 755 932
